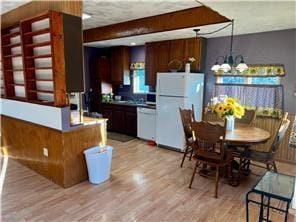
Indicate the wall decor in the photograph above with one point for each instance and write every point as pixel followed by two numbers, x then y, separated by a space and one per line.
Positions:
pixel 257 70
pixel 137 65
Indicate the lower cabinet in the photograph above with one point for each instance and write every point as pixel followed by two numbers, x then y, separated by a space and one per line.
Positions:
pixel 121 119
pixel 118 120
pixel 108 114
pixel 131 123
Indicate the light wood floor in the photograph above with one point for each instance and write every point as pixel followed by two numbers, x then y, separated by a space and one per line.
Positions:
pixel 147 184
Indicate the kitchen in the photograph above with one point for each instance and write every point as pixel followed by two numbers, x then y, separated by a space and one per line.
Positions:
pixel 127 102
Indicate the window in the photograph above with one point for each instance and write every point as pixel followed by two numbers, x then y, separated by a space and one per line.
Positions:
pixel 248 80
pixel 139 81
pixel 258 87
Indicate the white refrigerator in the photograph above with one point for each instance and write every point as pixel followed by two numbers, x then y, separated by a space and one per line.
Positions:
pixel 176 90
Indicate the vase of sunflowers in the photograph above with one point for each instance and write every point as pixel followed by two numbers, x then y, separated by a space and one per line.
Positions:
pixel 227 108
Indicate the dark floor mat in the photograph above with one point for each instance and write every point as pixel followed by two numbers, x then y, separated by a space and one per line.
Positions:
pixel 119 137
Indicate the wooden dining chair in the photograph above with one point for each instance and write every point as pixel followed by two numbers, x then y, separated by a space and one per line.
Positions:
pixel 187 117
pixel 208 147
pixel 267 158
pixel 249 117
pixel 238 148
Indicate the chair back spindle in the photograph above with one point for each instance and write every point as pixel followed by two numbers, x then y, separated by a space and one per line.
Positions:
pixel 209 140
pixel 249 117
pixel 280 135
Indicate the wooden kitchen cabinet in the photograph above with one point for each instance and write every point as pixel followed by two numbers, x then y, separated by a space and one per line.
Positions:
pixel 103 69
pixel 159 54
pixel 131 121
pixel 120 62
pixel 121 118
pixel 157 59
pixel 118 121
pixel 108 114
pixel 177 50
pixel 196 48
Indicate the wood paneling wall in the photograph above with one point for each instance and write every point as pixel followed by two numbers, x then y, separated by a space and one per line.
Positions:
pixel 65 164
pixel 285 153
pixel 36 7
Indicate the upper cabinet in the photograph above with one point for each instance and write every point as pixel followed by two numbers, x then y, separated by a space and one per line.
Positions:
pixel 159 54
pixel 157 59
pixel 42 59
pixel 120 65
pixel 177 50
pixel 102 67
pixel 196 48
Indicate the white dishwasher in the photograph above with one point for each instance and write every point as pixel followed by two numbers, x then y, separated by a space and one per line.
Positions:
pixel 146 122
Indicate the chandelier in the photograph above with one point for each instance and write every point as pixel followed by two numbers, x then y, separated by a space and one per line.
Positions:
pixel 228 62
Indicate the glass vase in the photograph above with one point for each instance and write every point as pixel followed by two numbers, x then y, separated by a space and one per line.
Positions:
pixel 230 120
pixel 187 67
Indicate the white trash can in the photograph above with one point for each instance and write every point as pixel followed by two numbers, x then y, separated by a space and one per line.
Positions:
pixel 98 161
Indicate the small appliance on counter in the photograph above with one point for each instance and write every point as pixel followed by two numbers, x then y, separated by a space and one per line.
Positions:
pixel 117 98
pixel 151 98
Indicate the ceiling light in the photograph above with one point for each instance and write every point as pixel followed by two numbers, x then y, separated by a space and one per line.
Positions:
pixel 133 43
pixel 225 67
pixel 85 16
pixel 229 62
pixel 215 67
pixel 241 67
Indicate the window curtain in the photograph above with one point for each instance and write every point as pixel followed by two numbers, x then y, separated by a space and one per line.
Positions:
pixel 292 141
pixel 267 99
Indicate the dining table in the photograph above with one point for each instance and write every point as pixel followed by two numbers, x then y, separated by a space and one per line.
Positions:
pixel 244 136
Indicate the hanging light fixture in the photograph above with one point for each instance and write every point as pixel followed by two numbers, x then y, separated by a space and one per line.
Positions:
pixel 228 62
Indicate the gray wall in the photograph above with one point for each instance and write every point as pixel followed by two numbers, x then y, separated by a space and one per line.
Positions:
pixel 277 47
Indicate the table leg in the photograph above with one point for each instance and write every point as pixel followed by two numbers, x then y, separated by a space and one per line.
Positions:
pixel 261 209
pixel 287 211
pixel 268 203
pixel 247 207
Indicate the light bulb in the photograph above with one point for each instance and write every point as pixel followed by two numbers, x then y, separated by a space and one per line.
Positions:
pixel 215 67
pixel 225 67
pixel 241 67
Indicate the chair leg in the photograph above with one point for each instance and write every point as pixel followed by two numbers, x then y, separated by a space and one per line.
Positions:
pixel 184 156
pixel 217 181
pixel 274 166
pixel 191 153
pixel 230 175
pixel 267 167
pixel 239 170
pixel 193 175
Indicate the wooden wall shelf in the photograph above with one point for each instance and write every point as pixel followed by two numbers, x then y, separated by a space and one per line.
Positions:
pixel 38 32
pixel 35 55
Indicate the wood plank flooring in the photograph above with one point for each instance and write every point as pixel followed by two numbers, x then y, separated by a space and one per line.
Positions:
pixel 146 184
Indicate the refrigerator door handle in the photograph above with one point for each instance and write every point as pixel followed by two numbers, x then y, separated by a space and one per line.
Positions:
pixel 174 96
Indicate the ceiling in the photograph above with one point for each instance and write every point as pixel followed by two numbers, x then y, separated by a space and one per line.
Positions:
pixel 7 5
pixel 107 12
pixel 250 16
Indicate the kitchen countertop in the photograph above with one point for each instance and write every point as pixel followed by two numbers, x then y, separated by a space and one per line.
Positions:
pixel 125 103
pixel 87 121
